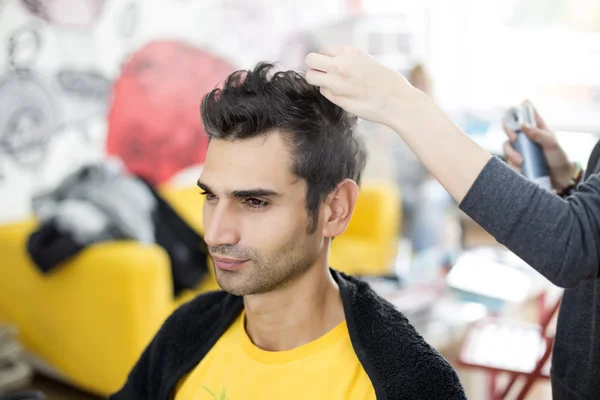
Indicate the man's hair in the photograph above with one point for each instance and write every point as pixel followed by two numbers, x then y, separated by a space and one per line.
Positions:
pixel 324 147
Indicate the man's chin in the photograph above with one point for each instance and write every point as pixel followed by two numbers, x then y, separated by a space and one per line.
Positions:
pixel 236 291
pixel 239 289
pixel 227 285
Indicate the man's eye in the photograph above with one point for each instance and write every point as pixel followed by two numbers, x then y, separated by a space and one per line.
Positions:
pixel 208 195
pixel 255 203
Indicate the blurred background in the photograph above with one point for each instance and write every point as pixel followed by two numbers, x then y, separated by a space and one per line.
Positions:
pixel 87 83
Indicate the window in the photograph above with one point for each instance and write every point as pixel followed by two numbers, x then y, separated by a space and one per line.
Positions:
pixel 546 51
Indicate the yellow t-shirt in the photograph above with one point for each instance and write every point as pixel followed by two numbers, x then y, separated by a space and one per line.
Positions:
pixel 235 369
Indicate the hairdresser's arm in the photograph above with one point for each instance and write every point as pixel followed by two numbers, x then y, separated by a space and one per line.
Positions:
pixel 561 239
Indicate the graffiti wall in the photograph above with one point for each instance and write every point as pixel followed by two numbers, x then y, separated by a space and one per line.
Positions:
pixel 81 80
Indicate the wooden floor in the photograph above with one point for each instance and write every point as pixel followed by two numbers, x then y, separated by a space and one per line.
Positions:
pixel 58 391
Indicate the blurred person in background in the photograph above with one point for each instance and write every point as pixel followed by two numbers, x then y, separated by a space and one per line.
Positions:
pixel 420 79
pixel 558 234
pixel 410 171
pixel 280 181
pixel 429 205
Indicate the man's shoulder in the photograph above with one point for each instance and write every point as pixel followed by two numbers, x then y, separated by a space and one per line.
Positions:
pixel 374 316
pixel 366 305
pixel 391 346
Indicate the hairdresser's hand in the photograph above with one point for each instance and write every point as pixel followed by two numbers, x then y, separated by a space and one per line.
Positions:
pixel 561 169
pixel 359 84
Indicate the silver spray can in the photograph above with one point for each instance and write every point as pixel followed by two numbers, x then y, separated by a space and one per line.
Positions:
pixel 535 167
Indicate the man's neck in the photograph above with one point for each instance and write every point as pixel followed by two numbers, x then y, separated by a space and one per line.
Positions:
pixel 296 314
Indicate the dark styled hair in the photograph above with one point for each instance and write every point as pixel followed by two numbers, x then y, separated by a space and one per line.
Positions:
pixel 324 147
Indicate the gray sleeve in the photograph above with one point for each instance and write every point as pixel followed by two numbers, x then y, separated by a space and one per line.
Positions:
pixel 558 237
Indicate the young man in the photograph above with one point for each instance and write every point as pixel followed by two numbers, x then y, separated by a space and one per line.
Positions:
pixel 280 181
pixel 558 235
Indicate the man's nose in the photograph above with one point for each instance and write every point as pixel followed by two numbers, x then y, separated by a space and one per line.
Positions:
pixel 221 226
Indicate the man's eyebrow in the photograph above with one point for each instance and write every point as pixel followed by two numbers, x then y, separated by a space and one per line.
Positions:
pixel 254 193
pixel 245 193
pixel 203 186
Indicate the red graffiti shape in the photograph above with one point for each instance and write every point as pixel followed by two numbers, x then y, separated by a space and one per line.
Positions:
pixel 154 121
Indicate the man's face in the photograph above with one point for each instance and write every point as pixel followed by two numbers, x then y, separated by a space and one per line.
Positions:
pixel 255 215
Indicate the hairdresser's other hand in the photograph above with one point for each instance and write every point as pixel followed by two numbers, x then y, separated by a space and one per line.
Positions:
pixel 358 83
pixel 561 169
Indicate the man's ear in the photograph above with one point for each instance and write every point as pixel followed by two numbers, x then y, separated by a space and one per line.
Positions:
pixel 339 206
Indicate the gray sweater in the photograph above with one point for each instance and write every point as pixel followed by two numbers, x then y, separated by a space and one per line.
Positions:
pixel 561 239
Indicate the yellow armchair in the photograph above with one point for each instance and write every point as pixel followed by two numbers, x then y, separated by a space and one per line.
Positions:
pixel 93 316
pixel 369 244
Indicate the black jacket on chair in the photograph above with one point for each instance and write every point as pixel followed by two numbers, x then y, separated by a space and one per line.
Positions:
pixel 186 248
pixel 398 361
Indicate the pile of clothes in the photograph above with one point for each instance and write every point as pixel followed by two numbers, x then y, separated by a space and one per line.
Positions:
pixel 102 202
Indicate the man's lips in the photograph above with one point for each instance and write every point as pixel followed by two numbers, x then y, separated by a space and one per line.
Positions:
pixel 228 264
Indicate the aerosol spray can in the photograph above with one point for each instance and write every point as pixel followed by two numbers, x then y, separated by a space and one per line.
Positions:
pixel 535 167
